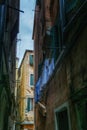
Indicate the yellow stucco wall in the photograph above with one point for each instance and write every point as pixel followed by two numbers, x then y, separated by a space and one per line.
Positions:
pixel 24 90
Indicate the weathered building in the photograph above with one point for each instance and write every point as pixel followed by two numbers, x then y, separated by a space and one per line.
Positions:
pixel 60 35
pixel 25 92
pixel 9 26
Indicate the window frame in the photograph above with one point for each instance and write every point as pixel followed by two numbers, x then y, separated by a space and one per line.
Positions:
pixel 72 22
pixel 62 4
pixel 60 109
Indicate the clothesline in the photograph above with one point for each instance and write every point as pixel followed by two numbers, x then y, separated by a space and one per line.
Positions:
pixel 47 71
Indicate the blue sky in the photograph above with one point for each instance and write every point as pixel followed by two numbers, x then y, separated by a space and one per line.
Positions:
pixel 26 27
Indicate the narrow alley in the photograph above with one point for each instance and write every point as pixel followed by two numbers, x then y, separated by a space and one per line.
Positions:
pixel 44 88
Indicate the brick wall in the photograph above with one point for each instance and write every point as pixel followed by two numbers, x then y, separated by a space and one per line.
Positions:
pixel 69 76
pixel 59 89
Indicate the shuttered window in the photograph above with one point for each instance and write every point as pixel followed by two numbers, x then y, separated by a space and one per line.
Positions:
pixel 31 79
pixel 71 7
pixel 55 45
pixel 29 104
pixel 31 60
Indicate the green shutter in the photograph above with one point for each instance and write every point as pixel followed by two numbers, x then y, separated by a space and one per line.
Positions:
pixel 31 60
pixel 28 104
pixel 55 42
pixel 31 104
pixel 31 79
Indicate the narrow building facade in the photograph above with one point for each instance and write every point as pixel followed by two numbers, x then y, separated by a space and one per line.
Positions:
pixel 9 28
pixel 25 92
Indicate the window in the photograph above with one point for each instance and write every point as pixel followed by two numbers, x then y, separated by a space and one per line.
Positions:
pixel 71 19
pixel 62 118
pixel 31 79
pixel 56 43
pixel 68 9
pixel 71 7
pixel 29 106
pixel 31 60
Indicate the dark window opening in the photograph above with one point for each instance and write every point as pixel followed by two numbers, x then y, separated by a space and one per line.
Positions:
pixel 62 120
